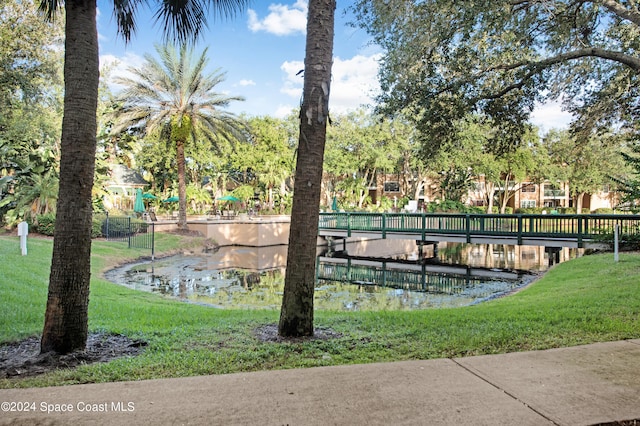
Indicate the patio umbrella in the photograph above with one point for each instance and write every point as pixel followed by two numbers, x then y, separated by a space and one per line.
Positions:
pixel 148 196
pixel 171 200
pixel 138 205
pixel 229 198
pixel 334 204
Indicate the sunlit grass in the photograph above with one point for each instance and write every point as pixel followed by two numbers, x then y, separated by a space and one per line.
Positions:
pixel 586 300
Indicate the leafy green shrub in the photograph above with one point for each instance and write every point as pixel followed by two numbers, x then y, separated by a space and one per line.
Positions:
pixel 96 225
pixel 531 210
pixel 627 242
pixel 45 224
pixel 450 206
pixel 603 210
pixel 566 210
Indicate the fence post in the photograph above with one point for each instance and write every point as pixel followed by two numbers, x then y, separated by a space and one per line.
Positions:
pixel 519 229
pixel 580 228
pixel 468 225
pixel 384 225
pixel 107 226
pixel 153 241
pixel 129 231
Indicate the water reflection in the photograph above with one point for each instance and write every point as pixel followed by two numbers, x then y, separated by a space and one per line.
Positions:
pixel 369 275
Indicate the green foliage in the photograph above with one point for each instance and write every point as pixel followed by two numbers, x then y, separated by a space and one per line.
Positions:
pixel 187 110
pixel 30 95
pixel 244 193
pixel 46 224
pixel 96 225
pixel 631 185
pixel 604 210
pixel 531 210
pixel 445 59
pixel 451 206
pixel 359 146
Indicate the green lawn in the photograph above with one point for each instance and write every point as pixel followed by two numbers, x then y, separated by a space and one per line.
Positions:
pixel 586 300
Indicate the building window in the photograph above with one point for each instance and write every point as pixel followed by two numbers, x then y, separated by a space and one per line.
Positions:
pixel 605 188
pixel 528 187
pixel 528 204
pixel 391 186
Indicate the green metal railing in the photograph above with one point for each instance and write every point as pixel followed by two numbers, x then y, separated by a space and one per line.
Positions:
pixel 579 227
pixel 137 234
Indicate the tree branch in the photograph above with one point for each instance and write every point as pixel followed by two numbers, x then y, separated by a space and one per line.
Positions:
pixel 621 11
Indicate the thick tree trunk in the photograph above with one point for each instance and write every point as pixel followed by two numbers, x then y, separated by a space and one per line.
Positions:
pixel 296 316
pixel 182 185
pixel 66 317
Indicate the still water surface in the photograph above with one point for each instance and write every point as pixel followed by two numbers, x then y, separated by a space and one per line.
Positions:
pixel 367 275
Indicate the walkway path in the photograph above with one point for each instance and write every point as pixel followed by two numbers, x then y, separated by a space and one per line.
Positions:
pixel 583 385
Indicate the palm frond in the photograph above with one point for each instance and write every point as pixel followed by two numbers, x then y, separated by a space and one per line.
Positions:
pixel 50 8
pixel 183 20
pixel 125 13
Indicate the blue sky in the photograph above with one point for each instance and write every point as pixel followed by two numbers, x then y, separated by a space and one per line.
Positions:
pixel 262 50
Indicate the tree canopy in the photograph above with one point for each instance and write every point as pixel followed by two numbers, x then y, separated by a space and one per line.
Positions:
pixel 445 58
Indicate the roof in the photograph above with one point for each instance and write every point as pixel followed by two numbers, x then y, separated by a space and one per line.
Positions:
pixel 122 175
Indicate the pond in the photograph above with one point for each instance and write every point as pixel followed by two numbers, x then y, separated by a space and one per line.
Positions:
pixel 369 275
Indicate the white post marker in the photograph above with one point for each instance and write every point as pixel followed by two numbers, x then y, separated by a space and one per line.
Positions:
pixel 616 242
pixel 23 231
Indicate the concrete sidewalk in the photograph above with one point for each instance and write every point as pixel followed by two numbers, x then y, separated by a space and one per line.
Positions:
pixel 584 385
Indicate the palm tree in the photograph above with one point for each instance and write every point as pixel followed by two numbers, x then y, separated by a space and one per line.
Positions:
pixel 66 316
pixel 296 315
pixel 174 97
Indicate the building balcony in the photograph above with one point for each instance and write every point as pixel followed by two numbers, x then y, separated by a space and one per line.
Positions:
pixel 554 193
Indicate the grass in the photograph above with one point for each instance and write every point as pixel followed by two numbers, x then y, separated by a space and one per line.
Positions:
pixel 586 300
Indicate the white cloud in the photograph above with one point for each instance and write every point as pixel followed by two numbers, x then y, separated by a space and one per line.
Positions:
pixel 354 82
pixel 283 111
pixel 550 116
pixel 281 20
pixel 293 78
pixel 114 67
pixel 245 82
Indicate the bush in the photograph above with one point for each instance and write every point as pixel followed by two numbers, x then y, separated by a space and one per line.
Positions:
pixel 45 224
pixel 531 210
pixel 450 206
pixel 566 210
pixel 96 225
pixel 603 210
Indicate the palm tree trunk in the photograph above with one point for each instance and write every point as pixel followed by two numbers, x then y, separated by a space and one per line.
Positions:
pixel 296 316
pixel 66 317
pixel 182 186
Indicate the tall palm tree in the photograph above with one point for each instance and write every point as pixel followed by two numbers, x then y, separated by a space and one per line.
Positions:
pixel 174 96
pixel 66 316
pixel 296 315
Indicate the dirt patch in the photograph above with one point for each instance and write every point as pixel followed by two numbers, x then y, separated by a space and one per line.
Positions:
pixel 23 359
pixel 269 333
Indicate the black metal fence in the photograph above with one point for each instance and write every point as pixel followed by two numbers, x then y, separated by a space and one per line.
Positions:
pixel 136 233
